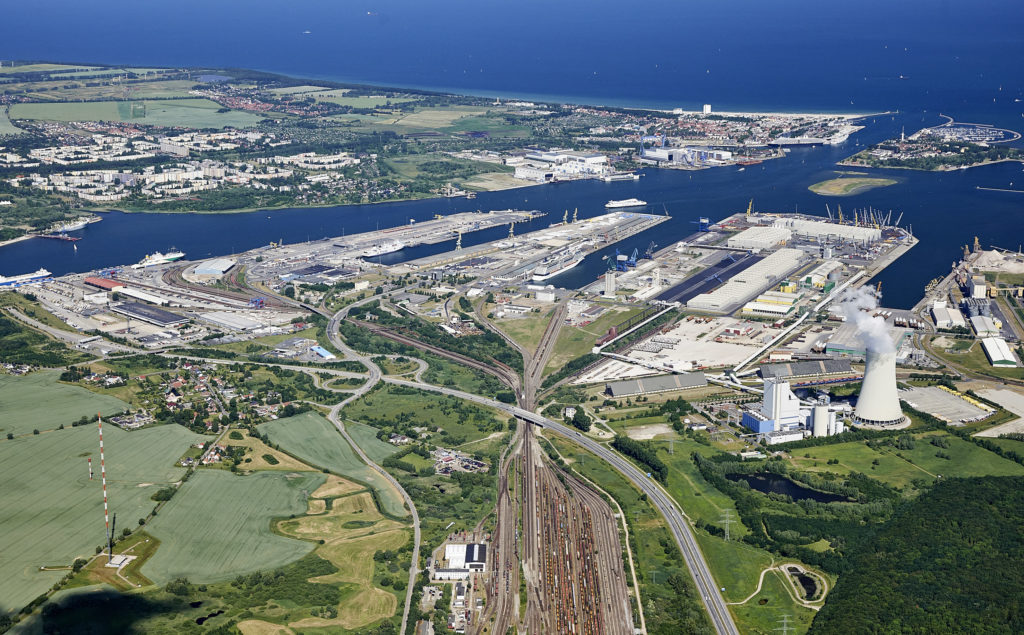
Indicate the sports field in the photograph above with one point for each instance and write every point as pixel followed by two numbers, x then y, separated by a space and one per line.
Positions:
pixel 53 513
pixel 189 113
pixel 315 440
pixel 218 525
pixel 39 401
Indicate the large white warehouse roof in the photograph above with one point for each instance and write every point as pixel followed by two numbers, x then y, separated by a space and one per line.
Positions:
pixel 749 282
pixel 759 238
pixel 823 229
pixel 215 267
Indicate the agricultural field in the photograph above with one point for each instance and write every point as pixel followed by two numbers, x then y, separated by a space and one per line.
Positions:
pixel 353 530
pixel 188 113
pixel 218 525
pixel 53 513
pixel 315 440
pixel 366 438
pixel 575 341
pixel 21 396
pixel 359 101
pixel 921 462
pixel 6 127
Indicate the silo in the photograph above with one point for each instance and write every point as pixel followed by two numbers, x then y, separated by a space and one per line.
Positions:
pixel 878 403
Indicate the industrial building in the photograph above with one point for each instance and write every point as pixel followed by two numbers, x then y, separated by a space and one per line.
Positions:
pixel 104 283
pixel 231 321
pixel 471 556
pixel 656 384
pixel 824 230
pixel 774 303
pixel 984 326
pixel 780 410
pixel 759 237
pixel 149 314
pixel 847 341
pixel 749 282
pixel 946 316
pixel 810 373
pixel 215 268
pixel 998 352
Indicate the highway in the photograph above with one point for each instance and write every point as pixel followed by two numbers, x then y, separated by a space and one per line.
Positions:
pixel 721 619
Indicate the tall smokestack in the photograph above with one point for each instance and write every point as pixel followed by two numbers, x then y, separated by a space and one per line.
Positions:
pixel 878 403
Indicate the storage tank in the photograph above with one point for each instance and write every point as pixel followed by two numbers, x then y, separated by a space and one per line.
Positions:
pixel 878 403
pixel 819 421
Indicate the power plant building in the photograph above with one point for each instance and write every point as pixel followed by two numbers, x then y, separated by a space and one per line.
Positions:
pixel 780 410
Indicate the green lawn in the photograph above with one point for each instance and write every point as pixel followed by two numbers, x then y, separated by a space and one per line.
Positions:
pixel 366 438
pixel 218 525
pixel 315 440
pixel 756 618
pixel 735 565
pixel 189 113
pixel 697 497
pixel 265 344
pixel 53 513
pixel 39 401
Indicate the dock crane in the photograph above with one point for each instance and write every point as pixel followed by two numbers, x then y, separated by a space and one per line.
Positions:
pixel 631 261
pixel 750 207
pixel 575 211
pixel 649 254
pixel 565 218
pixel 839 208
pixel 977 245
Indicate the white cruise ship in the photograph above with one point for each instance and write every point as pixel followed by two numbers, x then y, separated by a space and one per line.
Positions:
pixel 157 258
pixel 25 278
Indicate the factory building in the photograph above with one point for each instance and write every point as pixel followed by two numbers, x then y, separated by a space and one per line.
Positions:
pixel 749 282
pixel 775 303
pixel 984 326
pixel 810 373
pixel 759 238
pixel 652 385
pixel 847 341
pixel 946 316
pixel 823 230
pixel 824 276
pixel 231 321
pixel 780 410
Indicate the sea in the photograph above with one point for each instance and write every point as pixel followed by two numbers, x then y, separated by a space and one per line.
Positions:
pixel 912 60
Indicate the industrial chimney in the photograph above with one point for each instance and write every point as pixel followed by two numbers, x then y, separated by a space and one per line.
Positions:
pixel 878 403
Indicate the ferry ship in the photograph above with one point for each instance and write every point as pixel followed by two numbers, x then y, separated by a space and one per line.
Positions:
pixel 26 278
pixel 628 202
pixel 554 265
pixel 386 247
pixel 621 176
pixel 74 225
pixel 157 258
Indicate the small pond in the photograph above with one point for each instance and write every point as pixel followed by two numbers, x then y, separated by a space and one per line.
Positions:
pixel 776 484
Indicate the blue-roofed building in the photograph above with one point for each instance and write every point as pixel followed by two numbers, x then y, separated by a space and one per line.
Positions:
pixel 322 352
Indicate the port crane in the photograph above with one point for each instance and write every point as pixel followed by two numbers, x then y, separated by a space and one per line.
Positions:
pixel 649 254
pixel 750 208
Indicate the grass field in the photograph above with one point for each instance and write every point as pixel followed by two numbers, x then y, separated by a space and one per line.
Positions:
pixel 353 530
pixel 367 439
pixel 527 331
pixel 53 513
pixel 966 460
pixel 363 101
pixel 849 186
pixel 39 401
pixel 735 565
pixel 575 341
pixel 975 360
pixel 39 68
pixel 218 525
pixel 438 117
pixel 267 343
pixel 189 113
pixel 393 404
pixel 315 440
pixel 699 498
pixel 6 127
pixel 756 618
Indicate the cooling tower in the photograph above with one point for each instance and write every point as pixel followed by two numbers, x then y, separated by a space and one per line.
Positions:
pixel 878 403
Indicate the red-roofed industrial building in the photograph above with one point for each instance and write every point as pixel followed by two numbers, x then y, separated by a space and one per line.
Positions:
pixel 104 283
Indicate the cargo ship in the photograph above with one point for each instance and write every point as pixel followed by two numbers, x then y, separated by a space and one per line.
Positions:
pixel 628 202
pixel 26 278
pixel 157 258
pixel 621 176
pixel 387 247
pixel 554 265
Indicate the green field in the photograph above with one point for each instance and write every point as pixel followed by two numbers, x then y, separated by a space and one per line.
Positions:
pixel 314 439
pixel 218 525
pixel 53 513
pixel 687 486
pixel 362 101
pixel 366 438
pixel 527 331
pixel 966 460
pixel 6 127
pixel 735 565
pixel 756 618
pixel 38 68
pixel 38 401
pixel 573 342
pixel 849 186
pixel 189 113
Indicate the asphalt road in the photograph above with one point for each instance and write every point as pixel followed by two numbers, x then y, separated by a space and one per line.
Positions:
pixel 721 619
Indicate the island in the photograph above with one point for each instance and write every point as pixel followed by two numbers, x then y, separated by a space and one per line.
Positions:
pixel 849 186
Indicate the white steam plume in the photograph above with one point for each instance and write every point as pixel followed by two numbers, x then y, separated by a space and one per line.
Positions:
pixel 858 305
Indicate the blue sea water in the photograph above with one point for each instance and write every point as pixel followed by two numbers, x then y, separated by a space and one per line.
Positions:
pixel 918 58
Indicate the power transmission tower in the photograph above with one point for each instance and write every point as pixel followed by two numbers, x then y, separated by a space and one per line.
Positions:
pixel 785 628
pixel 727 519
pixel 671 446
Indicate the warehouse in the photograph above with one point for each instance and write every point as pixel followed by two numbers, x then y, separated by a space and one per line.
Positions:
pixel 149 314
pixel 998 352
pixel 232 321
pixel 749 282
pixel 104 283
pixel 984 326
pixel 821 230
pixel 216 267
pixel 651 385
pixel 848 341
pixel 758 238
